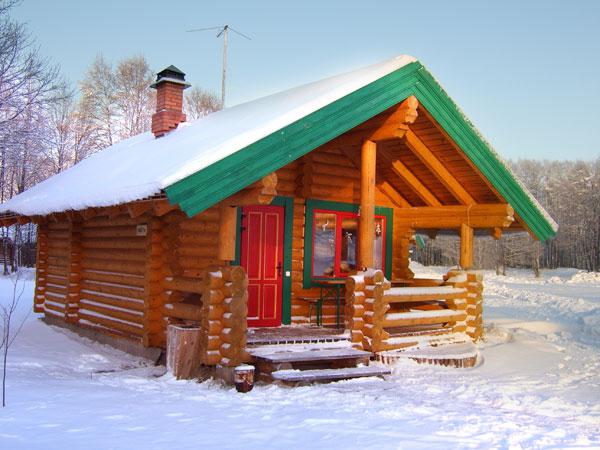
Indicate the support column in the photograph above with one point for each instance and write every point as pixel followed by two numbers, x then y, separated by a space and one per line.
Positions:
pixel 227 232
pixel 466 246
pixel 74 270
pixel 366 227
pixel 402 253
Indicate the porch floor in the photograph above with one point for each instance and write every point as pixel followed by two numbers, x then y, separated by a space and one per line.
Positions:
pixel 294 335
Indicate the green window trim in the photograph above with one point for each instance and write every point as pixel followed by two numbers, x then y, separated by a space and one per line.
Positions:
pixel 286 283
pixel 312 205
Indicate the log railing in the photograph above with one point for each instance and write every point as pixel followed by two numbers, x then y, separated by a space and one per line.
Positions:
pixel 382 318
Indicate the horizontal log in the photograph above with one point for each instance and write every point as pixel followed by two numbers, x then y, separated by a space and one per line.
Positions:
pixel 112 289
pixel 125 303
pixel 114 266
pixel 440 297
pixel 115 243
pixel 112 232
pixel 131 317
pixel 120 255
pixel 184 284
pixel 423 318
pixel 476 216
pixel 128 280
pixel 183 311
pixel 199 252
pixel 112 324
pixel 105 222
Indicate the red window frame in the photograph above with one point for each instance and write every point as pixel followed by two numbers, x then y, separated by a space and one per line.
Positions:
pixel 337 273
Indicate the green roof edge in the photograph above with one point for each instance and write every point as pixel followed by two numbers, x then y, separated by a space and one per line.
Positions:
pixel 218 181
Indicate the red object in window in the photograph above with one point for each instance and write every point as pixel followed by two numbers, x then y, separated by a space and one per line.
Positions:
pixel 338 271
pixel 261 256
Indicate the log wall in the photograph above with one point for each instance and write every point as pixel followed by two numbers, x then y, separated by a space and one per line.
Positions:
pixel 104 274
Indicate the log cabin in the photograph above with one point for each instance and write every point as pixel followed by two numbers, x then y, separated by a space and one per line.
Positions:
pixel 294 209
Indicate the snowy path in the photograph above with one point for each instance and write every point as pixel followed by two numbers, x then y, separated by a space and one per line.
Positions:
pixel 539 387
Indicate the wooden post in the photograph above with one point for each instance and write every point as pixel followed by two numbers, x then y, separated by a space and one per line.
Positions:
pixel 41 273
pixel 466 246
pixel 154 291
pixel 227 232
pixel 74 271
pixel 403 236
pixel 366 228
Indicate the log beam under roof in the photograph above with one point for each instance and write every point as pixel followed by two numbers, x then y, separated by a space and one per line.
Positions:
pixel 437 168
pixel 495 215
pixel 415 184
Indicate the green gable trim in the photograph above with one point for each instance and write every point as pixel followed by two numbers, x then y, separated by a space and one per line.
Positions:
pixel 208 186
pixel 220 180
pixel 311 205
pixel 286 284
pixel 431 95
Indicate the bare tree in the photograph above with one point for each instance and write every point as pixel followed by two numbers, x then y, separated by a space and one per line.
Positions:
pixel 199 103
pixel 11 325
pixel 134 98
pixel 98 97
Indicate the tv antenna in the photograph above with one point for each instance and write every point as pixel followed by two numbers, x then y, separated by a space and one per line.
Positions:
pixel 223 30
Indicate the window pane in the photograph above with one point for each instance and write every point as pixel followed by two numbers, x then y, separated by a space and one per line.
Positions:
pixel 349 239
pixel 324 244
pixel 378 244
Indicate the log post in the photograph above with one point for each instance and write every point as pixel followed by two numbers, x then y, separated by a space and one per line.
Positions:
pixel 227 232
pixel 155 296
pixel 404 236
pixel 466 246
pixel 74 273
pixel 355 310
pixel 41 268
pixel 475 305
pixel 366 228
pixel 235 316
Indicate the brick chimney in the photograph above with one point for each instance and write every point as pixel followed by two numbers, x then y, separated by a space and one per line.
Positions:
pixel 169 86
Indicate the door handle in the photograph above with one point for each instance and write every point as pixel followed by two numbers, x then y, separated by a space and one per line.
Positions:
pixel 279 269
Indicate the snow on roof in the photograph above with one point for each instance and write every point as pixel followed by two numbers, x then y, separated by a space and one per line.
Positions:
pixel 142 166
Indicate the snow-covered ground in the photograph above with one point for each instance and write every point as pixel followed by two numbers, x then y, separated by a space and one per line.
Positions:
pixel 538 387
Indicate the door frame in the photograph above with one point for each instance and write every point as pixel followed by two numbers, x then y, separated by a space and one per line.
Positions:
pixel 288 224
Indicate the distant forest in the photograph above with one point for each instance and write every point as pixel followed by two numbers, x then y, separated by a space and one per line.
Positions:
pixel 570 192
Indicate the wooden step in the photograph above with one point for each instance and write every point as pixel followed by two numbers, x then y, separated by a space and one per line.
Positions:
pixel 422 318
pixel 324 375
pixel 439 337
pixel 329 354
pixel 460 354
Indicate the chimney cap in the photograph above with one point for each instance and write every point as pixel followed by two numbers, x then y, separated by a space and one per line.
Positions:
pixel 171 74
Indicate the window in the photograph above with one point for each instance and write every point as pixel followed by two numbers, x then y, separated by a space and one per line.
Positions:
pixel 334 246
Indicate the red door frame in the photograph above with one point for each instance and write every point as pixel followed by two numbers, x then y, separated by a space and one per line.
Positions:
pixel 261 255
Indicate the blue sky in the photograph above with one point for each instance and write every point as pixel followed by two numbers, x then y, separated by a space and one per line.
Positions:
pixel 527 73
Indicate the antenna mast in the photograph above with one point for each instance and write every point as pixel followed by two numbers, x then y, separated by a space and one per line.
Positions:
pixel 223 31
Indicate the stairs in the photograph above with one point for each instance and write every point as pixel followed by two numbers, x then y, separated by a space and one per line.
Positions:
pixel 296 364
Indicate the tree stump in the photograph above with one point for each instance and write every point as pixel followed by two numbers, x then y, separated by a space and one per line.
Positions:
pixel 244 378
pixel 183 356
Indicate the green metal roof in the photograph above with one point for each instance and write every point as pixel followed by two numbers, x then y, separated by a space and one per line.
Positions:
pixel 227 176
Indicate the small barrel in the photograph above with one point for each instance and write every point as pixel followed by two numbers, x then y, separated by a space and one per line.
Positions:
pixel 244 378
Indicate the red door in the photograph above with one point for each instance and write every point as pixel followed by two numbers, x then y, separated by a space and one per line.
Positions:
pixel 262 258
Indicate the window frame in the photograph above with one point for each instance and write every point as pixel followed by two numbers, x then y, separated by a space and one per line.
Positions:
pixel 343 209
